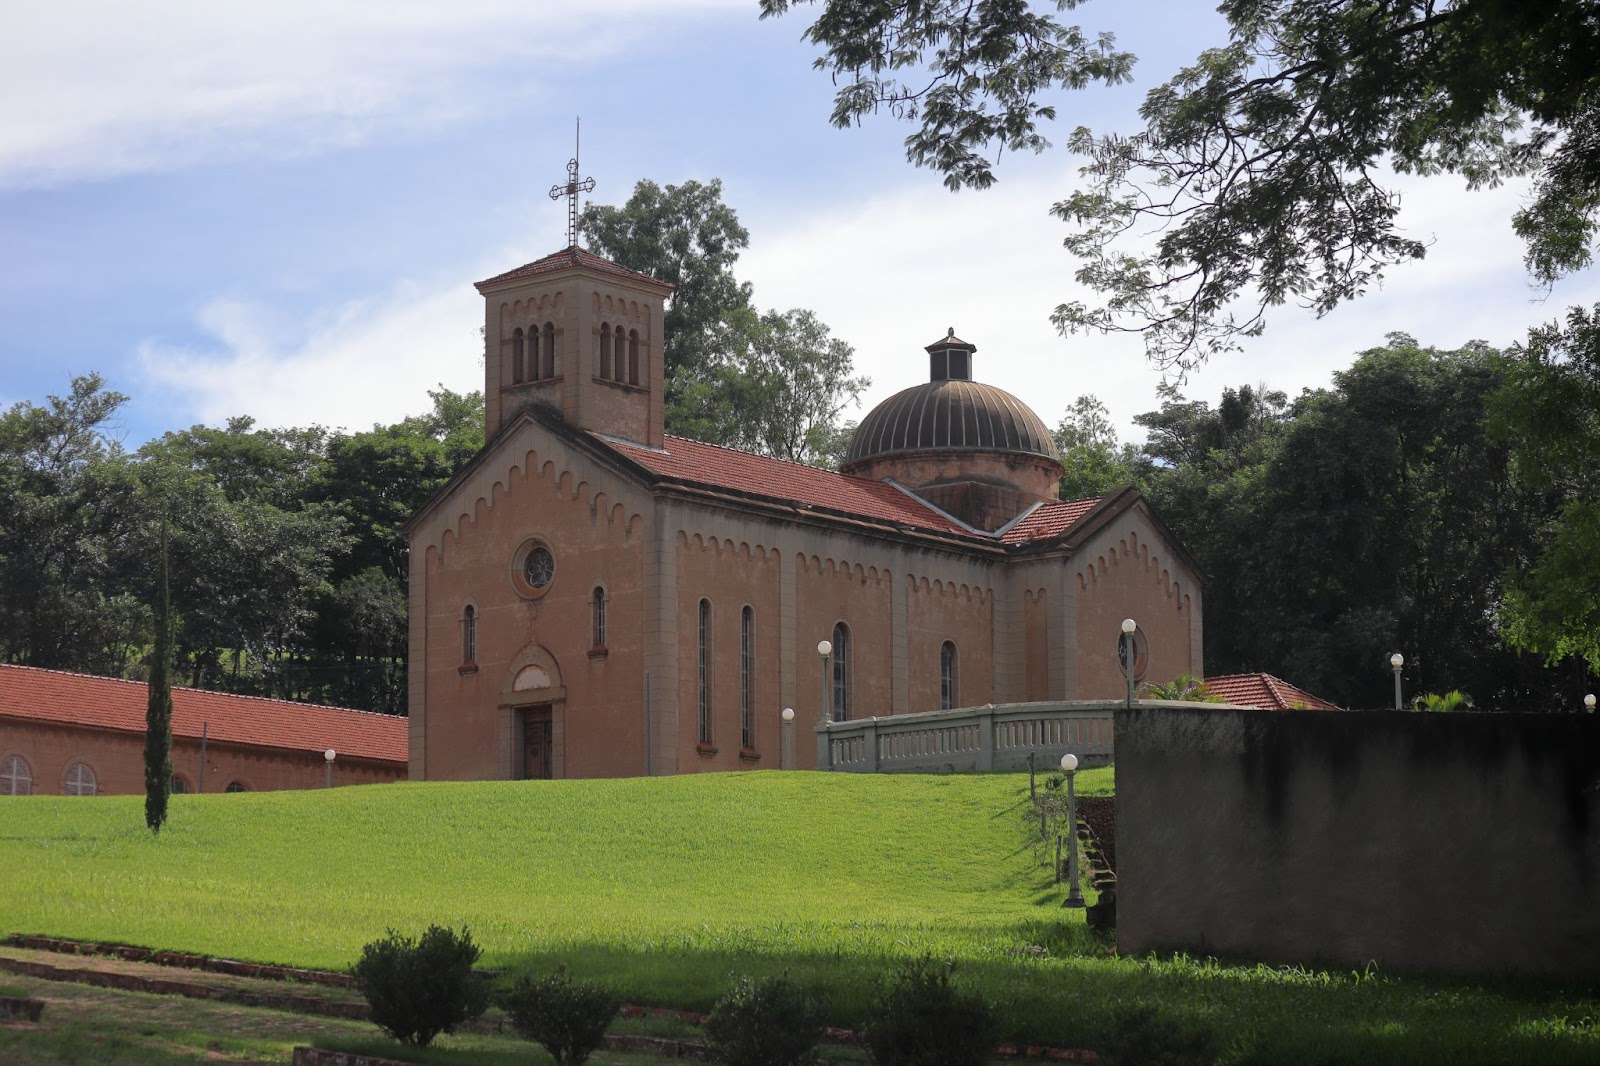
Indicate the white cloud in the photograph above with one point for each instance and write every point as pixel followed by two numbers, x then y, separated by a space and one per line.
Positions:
pixel 94 89
pixel 889 274
pixel 359 364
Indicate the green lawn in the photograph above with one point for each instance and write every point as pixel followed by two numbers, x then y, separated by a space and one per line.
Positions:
pixel 667 887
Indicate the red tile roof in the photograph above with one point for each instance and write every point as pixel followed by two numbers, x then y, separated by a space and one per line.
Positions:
pixel 566 259
pixel 1050 520
pixel 1266 692
pixel 111 703
pixel 782 481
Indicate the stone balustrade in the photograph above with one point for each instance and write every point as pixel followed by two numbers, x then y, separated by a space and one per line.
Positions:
pixel 995 737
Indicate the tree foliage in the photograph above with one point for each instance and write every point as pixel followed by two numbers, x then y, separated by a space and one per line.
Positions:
pixel 769 382
pixel 1263 167
pixel 1549 413
pixel 980 69
pixel 158 709
pixel 288 574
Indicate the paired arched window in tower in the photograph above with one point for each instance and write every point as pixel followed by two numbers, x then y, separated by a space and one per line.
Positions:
pixel 703 671
pixel 605 351
pixel 633 358
pixel 518 371
pixel 841 673
pixel 547 361
pixel 469 634
pixel 747 678
pixel 619 355
pixel 948 679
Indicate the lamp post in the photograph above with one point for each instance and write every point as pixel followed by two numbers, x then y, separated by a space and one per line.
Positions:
pixel 824 649
pixel 1069 766
pixel 1397 661
pixel 1128 628
pixel 328 757
pixel 787 755
pixel 1588 703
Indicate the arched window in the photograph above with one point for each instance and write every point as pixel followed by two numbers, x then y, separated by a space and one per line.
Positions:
pixel 599 617
pixel 15 777
pixel 547 367
pixel 747 678
pixel 947 676
pixel 237 786
pixel 469 634
pixel 79 781
pixel 180 786
pixel 633 358
pixel 703 668
pixel 605 350
pixel 841 673
pixel 516 357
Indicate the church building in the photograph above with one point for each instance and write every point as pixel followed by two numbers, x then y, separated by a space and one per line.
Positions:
pixel 593 598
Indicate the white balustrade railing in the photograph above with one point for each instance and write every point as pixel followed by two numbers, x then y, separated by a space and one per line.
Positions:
pixel 996 737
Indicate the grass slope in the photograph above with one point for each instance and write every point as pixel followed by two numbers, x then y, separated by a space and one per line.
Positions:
pixel 668 887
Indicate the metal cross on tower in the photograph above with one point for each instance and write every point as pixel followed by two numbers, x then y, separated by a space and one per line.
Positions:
pixel 572 188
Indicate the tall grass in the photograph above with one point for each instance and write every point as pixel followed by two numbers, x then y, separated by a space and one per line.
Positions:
pixel 669 887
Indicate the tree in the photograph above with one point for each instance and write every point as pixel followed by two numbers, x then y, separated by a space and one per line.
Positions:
pixel 1262 165
pixel 1093 461
pixel 771 382
pixel 985 65
pixel 687 237
pixel 786 384
pixel 158 710
pixel 1549 412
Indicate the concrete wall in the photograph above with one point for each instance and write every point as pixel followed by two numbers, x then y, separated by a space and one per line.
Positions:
pixel 1465 843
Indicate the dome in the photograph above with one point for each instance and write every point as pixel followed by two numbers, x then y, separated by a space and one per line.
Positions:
pixel 950 414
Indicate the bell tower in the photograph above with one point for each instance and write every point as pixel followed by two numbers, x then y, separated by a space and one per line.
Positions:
pixel 576 333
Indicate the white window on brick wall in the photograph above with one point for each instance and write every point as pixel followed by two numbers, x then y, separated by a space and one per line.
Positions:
pixel 16 779
pixel 80 780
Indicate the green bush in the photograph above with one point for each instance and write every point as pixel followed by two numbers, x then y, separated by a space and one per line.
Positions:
pixel 922 1019
pixel 767 1021
pixel 568 1018
pixel 420 988
pixel 1143 1036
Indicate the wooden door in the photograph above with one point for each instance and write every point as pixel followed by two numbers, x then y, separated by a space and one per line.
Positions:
pixel 536 743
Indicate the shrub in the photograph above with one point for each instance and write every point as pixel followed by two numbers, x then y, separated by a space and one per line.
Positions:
pixel 568 1018
pixel 764 1022
pixel 922 1019
pixel 420 988
pixel 1143 1036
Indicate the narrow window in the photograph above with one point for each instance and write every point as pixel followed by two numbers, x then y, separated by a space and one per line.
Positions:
pixel 180 787
pixel 605 350
pixel 947 676
pixel 15 777
pixel 469 634
pixel 633 358
pixel 704 669
pixel 237 786
pixel 548 368
pixel 599 617
pixel 841 673
pixel 516 357
pixel 80 780
pixel 747 678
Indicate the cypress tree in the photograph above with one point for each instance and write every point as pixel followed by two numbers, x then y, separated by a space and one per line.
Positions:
pixel 158 713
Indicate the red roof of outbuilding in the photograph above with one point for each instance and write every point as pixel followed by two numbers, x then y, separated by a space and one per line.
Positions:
pixel 111 703
pixel 1266 692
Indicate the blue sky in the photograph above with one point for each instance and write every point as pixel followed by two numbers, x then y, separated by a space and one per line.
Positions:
pixel 278 209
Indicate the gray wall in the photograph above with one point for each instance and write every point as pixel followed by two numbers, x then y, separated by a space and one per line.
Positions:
pixel 1457 842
